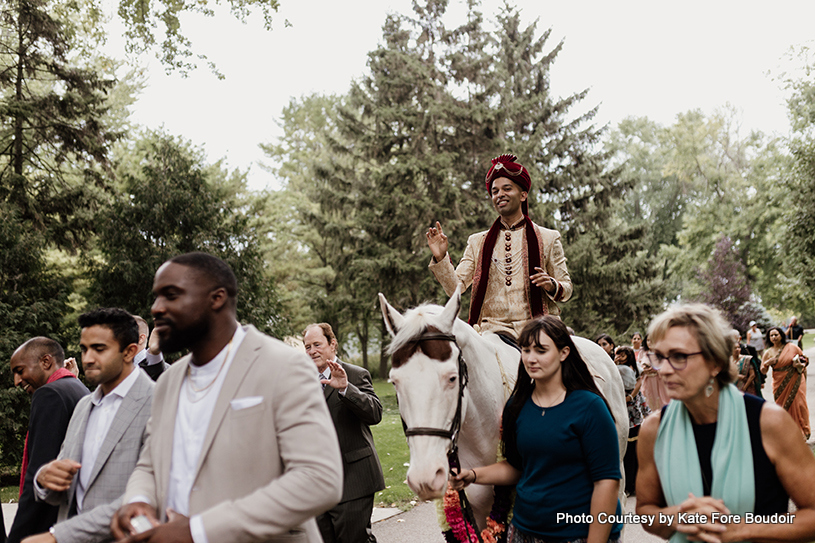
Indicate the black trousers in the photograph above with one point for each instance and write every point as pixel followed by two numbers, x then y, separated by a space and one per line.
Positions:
pixel 630 462
pixel 348 522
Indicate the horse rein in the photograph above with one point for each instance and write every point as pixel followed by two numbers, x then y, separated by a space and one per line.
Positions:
pixel 455 426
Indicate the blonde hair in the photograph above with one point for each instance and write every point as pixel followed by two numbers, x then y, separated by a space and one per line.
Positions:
pixel 711 330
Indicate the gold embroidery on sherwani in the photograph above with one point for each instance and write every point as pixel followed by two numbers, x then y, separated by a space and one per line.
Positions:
pixel 506 307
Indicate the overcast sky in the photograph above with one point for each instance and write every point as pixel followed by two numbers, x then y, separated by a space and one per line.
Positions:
pixel 638 58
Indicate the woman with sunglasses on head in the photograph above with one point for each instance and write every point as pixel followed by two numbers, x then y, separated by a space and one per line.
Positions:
pixel 789 376
pixel 560 445
pixel 714 452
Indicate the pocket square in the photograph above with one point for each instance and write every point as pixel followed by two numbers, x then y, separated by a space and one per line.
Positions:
pixel 243 403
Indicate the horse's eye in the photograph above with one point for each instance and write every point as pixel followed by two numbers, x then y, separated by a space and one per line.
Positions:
pixel 453 379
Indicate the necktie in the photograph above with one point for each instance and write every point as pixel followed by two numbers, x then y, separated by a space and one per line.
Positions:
pixel 321 377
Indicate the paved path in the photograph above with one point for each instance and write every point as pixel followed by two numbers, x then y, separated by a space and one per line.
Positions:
pixel 419 524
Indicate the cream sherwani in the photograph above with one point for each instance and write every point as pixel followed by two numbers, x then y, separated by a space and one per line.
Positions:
pixel 270 460
pixel 506 301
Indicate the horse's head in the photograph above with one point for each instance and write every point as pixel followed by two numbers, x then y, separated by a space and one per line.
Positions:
pixel 425 373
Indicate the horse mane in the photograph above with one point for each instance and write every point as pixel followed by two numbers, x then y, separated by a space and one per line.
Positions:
pixel 416 322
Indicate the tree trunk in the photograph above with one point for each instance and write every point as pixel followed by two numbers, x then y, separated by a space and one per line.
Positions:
pixel 363 335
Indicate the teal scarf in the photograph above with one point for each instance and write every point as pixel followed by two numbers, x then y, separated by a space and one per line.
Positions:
pixel 677 459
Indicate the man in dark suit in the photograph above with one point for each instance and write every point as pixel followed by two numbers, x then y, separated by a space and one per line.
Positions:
pixel 354 407
pixel 149 357
pixel 37 366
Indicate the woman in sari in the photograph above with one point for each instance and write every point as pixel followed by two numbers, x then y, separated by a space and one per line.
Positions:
pixel 789 376
pixel 716 465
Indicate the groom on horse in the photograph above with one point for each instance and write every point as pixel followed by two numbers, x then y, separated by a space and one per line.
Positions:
pixel 517 268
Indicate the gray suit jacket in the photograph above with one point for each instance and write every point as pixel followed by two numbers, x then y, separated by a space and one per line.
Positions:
pixel 114 464
pixel 270 460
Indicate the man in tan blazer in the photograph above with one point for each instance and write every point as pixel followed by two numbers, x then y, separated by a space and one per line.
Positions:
pixel 241 445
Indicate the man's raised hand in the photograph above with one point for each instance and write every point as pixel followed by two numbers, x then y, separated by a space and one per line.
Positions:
pixel 437 241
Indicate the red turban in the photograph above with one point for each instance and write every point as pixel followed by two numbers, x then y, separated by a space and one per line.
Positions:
pixel 505 166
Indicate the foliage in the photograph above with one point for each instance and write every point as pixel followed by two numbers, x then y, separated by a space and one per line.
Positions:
pixel 53 140
pixel 799 238
pixel 32 301
pixel 148 21
pixel 54 145
pixel 171 202
pixel 725 283
pixel 696 181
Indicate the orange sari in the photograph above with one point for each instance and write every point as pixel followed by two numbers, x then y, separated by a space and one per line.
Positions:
pixel 790 387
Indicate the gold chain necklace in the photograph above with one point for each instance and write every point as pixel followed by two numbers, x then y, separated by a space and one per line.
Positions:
pixel 190 387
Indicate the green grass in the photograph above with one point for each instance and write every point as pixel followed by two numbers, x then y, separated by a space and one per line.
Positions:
pixel 9 494
pixel 392 449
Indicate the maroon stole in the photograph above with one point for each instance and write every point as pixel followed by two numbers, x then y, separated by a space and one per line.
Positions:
pixel 61 373
pixel 482 271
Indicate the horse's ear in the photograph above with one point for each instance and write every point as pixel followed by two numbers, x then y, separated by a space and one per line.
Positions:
pixel 393 319
pixel 451 309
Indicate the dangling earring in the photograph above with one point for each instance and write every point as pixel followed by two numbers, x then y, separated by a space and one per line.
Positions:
pixel 709 388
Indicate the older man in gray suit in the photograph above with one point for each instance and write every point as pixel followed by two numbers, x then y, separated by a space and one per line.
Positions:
pixel 104 437
pixel 354 408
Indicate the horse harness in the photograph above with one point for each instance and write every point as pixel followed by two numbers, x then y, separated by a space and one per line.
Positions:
pixel 455 425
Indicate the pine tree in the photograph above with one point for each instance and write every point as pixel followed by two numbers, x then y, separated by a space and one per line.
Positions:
pixel 53 143
pixel 173 203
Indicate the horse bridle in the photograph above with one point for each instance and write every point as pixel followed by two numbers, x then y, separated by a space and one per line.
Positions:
pixel 451 434
pixel 455 426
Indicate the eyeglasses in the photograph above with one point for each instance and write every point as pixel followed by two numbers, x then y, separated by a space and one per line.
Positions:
pixel 678 361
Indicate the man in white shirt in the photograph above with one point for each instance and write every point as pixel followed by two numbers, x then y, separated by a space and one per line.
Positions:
pixel 241 445
pixel 104 436
pixel 149 357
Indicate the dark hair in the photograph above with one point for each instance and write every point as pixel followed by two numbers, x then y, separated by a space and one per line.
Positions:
pixel 780 331
pixel 41 345
pixel 630 358
pixel 120 322
pixel 214 268
pixel 574 372
pixel 607 338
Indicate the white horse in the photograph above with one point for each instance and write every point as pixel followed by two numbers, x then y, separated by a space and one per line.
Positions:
pixel 425 373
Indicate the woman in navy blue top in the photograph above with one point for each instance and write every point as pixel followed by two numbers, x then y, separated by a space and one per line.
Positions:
pixel 560 445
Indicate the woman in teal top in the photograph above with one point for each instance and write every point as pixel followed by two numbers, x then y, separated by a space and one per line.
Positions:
pixel 560 445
